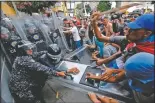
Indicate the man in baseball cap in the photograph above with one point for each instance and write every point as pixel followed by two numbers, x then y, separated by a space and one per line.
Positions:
pixel 141 29
pixel 139 68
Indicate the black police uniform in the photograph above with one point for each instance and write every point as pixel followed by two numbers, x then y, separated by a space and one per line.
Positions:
pixel 36 37
pixel 28 78
pixel 10 43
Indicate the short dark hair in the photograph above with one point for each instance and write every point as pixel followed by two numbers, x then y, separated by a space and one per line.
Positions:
pixel 74 22
pixel 65 19
pixel 105 17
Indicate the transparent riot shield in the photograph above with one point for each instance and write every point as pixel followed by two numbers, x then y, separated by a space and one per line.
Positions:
pixel 17 23
pixel 32 31
pixel 58 23
pixel 56 35
pixel 38 21
pixel 5 77
pixel 10 36
pixel 80 55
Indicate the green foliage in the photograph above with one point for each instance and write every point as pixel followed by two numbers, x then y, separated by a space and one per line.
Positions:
pixel 33 6
pixel 88 8
pixel 104 6
pixel 79 10
pixel 79 6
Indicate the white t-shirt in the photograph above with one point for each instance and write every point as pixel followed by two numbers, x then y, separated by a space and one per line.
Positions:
pixel 75 33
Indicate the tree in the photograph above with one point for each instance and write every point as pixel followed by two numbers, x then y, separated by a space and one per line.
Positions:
pixel 104 6
pixel 79 10
pixel 32 6
pixel 88 8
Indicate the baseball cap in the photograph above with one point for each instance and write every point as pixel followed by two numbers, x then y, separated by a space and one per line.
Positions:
pixel 145 21
pixel 140 67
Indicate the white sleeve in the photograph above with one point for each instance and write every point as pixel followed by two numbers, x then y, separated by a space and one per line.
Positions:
pixel 73 30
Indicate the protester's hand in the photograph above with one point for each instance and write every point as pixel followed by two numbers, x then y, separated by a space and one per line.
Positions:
pixel 90 75
pixel 119 52
pixel 62 74
pixel 118 33
pixel 96 52
pixel 99 62
pixel 73 70
pixel 94 55
pixel 107 74
pixel 95 16
pixel 86 45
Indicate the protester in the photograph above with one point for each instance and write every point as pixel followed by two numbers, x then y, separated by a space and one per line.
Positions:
pixel 110 52
pixel 68 37
pixel 75 33
pixel 83 32
pixel 97 45
pixel 107 27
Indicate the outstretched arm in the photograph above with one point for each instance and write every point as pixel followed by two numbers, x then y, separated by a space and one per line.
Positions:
pixel 120 75
pixel 116 45
pixel 96 30
pixel 98 33
pixel 117 78
pixel 31 64
pixel 67 32
pixel 107 60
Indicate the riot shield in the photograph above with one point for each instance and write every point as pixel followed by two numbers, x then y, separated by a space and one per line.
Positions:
pixel 10 35
pixel 56 35
pixel 33 32
pixel 80 55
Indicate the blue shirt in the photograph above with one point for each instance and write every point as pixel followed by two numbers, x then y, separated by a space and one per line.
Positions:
pixel 100 46
pixel 148 39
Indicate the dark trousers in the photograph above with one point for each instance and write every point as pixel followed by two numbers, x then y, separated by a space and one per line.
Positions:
pixel 36 97
pixel 68 40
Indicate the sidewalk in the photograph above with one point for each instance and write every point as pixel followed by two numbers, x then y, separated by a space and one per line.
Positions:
pixel 66 95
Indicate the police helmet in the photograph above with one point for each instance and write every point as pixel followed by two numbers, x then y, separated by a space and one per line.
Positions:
pixel 30 27
pixel 5 34
pixel 6 22
pixel 23 45
pixel 54 53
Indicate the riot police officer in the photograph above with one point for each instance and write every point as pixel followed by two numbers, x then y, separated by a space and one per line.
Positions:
pixel 53 58
pixel 7 23
pixel 34 35
pixel 28 76
pixel 9 42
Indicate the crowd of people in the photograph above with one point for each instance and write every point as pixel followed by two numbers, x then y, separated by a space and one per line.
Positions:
pixel 139 46
pixel 124 43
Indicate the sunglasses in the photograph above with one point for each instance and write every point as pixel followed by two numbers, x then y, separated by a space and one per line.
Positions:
pixel 133 30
